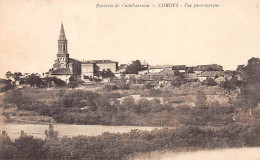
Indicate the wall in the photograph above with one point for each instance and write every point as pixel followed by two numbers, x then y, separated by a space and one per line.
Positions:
pixel 156 70
pixel 87 70
pixel 75 67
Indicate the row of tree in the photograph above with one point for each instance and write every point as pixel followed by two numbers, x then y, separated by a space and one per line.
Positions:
pixel 110 146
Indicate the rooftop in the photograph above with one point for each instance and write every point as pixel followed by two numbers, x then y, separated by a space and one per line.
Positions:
pixel 99 61
pixel 211 73
pixel 61 71
pixel 160 66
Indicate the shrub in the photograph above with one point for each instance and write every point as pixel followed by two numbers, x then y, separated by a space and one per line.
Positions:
pixel 209 82
pixel 5 85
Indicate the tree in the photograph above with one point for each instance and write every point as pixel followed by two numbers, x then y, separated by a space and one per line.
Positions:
pixel 134 67
pixel 8 74
pixel 251 72
pixel 249 95
pixel 107 74
pixel 58 82
pixel 17 75
pixel 74 81
pixel 209 82
pixel 34 80
pixel 5 85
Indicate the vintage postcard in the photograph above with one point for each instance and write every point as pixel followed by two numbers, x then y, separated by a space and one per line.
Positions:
pixel 129 79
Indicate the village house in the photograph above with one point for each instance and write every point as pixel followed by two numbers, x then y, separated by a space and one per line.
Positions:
pixel 158 68
pixel 91 69
pixel 121 71
pixel 211 74
pixel 179 69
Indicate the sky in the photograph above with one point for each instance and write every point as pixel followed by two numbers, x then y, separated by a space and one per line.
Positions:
pixel 29 30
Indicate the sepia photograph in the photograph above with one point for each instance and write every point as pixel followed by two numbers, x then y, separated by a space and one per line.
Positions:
pixel 129 79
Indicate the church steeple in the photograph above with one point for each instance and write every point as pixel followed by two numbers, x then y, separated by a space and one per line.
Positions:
pixel 62 33
pixel 62 42
pixel 62 56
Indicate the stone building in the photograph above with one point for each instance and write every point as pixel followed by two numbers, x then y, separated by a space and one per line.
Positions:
pixel 64 66
pixel 91 68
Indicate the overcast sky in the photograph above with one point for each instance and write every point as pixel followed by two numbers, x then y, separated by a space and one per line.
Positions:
pixel 29 30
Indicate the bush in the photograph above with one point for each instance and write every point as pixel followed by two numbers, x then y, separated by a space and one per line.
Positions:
pixel 72 84
pixel 57 82
pixel 24 148
pixel 5 85
pixel 209 82
pixel 110 87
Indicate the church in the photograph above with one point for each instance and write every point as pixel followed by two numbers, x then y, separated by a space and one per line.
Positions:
pixel 65 67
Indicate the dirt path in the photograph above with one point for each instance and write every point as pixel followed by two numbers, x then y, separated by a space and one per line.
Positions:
pixel 221 154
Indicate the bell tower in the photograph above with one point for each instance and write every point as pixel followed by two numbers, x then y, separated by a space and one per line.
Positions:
pixel 63 55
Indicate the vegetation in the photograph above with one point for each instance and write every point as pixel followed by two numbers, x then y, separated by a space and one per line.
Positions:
pixel 135 67
pixel 123 146
pixel 107 74
pixel 34 80
pixel 53 81
pixel 86 107
pixel 209 82
pixel 5 85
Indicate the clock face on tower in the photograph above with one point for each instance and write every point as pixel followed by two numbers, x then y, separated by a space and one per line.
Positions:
pixel 62 65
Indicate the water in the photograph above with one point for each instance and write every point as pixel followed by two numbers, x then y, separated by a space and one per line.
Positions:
pixel 14 130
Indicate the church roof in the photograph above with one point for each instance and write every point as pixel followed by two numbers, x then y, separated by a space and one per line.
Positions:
pixel 61 71
pixel 62 33
pixel 87 62
pixel 100 61
pixel 75 59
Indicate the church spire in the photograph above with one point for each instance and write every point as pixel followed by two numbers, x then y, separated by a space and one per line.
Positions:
pixel 62 33
pixel 62 42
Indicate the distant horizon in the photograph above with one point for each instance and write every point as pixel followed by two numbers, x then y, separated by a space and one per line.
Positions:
pixel 224 36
